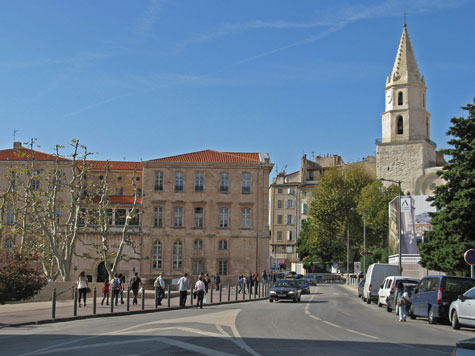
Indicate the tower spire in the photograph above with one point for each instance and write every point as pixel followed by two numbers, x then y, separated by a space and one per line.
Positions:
pixel 405 69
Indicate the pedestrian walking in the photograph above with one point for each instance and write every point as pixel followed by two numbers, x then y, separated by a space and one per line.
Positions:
pixel 82 287
pixel 249 281
pixel 200 290
pixel 115 287
pixel 240 282
pixel 402 302
pixel 255 282
pixel 122 287
pixel 217 281
pixel 135 284
pixel 160 285
pixel 264 277
pixel 206 281
pixel 183 288
pixel 106 292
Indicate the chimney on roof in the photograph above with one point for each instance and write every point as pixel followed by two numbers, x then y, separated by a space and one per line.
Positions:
pixel 17 145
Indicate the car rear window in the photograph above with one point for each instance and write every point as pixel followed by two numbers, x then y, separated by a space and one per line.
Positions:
pixel 457 285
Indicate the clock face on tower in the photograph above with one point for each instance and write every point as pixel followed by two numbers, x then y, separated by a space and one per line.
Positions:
pixel 389 96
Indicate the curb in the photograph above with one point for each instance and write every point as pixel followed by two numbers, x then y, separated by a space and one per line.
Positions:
pixel 104 315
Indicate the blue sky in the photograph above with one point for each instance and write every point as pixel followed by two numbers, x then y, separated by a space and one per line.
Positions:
pixel 146 79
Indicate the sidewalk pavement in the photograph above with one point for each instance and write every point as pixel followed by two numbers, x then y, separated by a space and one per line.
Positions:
pixel 41 312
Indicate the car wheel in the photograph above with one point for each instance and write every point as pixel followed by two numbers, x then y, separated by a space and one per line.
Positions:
pixel 455 321
pixel 379 303
pixel 271 300
pixel 368 300
pixel 295 300
pixel 388 308
pixel 431 318
pixel 411 313
pixel 299 298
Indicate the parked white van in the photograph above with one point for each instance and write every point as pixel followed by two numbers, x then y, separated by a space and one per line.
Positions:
pixel 375 275
pixel 388 287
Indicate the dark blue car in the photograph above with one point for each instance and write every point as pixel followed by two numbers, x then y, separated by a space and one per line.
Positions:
pixel 433 295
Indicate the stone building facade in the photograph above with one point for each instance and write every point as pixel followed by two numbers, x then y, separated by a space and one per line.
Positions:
pixel 205 211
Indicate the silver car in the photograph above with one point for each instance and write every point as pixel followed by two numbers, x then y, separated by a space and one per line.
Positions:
pixel 462 310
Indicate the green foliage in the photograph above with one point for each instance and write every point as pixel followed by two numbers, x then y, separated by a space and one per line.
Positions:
pixel 20 277
pixel 453 224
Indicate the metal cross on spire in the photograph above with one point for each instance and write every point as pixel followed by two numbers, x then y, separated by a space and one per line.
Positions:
pixel 405 14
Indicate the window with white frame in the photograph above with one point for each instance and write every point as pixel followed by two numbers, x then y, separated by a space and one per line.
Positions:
pixel 179 180
pixel 223 217
pixel 159 181
pixel 291 191
pixel 290 219
pixel 198 244
pixel 10 215
pixel 8 244
pixel 223 268
pixel 35 181
pixel 177 255
pixel 198 217
pixel 246 182
pixel 246 218
pixel 178 217
pixel 199 181
pixel 198 267
pixel 290 235
pixel 290 204
pixel 158 216
pixel 222 245
pixel 224 182
pixel 157 255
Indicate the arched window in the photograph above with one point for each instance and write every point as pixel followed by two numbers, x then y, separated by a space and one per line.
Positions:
pixel 177 255
pixel 223 245
pixel 157 255
pixel 198 244
pixel 400 125
pixel 400 97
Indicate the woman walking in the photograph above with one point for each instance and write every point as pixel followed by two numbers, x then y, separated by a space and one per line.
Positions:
pixel 200 292
pixel 106 292
pixel 82 287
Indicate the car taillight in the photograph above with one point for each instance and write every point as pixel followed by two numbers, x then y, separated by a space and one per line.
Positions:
pixel 370 287
pixel 439 295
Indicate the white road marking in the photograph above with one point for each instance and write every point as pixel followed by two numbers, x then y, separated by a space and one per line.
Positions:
pixel 315 317
pixel 362 334
pixel 331 324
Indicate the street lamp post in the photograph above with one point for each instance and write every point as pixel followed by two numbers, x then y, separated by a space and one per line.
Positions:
pixel 398 182
pixel 364 246
pixel 348 254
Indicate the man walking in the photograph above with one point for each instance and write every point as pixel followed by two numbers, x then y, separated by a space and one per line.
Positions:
pixel 200 292
pixel 160 285
pixel 135 284
pixel 183 288
pixel 217 281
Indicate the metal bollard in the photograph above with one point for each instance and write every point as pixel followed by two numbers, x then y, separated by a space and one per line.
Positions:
pixel 220 289
pixel 250 291
pixel 75 308
pixel 229 292
pixel 156 297
pixel 128 299
pixel 236 292
pixel 191 296
pixel 211 301
pixel 53 307
pixel 168 296
pixel 143 298
pixel 112 299
pixel 94 302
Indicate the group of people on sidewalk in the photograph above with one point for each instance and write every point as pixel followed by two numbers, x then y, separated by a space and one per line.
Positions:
pixel 251 280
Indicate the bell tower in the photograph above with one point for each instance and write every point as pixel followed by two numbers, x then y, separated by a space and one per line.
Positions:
pixel 405 148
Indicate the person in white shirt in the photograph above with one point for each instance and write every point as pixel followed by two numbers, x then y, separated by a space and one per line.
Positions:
pixel 82 287
pixel 183 288
pixel 200 289
pixel 160 285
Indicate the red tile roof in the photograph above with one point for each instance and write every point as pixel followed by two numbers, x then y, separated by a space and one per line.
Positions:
pixel 212 156
pixel 115 165
pixel 25 154
pixel 120 199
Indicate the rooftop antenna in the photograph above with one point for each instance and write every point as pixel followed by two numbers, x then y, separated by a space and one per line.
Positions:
pixel 405 14
pixel 14 135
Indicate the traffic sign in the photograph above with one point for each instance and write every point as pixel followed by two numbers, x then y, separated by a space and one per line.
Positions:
pixel 469 256
pixel 366 253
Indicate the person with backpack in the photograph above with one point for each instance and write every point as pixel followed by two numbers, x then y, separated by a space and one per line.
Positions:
pixel 159 284
pixel 115 285
pixel 135 284
pixel 402 301
pixel 106 292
